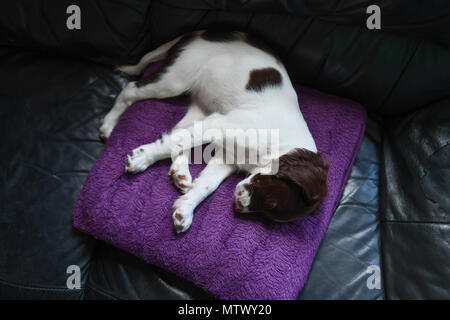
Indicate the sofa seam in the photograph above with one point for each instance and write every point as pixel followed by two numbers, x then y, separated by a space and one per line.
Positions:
pixel 416 222
pixel 35 287
pixel 101 291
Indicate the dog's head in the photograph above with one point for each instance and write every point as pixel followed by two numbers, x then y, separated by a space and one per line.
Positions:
pixel 294 191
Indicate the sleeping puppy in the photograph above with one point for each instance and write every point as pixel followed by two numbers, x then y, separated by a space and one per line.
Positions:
pixel 235 82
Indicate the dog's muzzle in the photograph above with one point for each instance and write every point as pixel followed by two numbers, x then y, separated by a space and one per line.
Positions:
pixel 242 197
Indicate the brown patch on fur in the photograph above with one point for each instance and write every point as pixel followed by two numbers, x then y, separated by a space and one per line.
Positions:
pixel 178 217
pixel 295 191
pixel 171 55
pixel 261 78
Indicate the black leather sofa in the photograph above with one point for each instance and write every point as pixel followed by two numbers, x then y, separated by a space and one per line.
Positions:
pixel 56 84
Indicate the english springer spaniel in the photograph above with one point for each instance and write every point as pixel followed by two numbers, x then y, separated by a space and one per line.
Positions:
pixel 234 82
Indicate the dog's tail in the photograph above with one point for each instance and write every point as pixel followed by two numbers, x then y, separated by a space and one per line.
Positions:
pixel 155 55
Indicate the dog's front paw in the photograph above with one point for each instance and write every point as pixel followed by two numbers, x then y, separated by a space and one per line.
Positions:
pixel 180 174
pixel 183 214
pixel 138 160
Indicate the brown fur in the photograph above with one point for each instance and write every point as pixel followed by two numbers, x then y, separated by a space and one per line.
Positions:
pixel 262 78
pixel 295 191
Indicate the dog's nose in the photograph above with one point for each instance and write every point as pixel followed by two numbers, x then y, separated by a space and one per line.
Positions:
pixel 237 206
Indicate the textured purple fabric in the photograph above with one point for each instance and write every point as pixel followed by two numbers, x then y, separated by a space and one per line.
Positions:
pixel 225 254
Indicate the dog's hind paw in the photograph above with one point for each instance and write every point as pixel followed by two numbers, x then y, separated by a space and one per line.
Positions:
pixel 130 70
pixel 105 130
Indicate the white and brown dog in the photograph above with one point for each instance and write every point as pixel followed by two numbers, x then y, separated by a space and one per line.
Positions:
pixel 234 82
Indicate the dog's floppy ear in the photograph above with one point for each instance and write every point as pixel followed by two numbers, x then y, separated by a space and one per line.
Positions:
pixel 307 170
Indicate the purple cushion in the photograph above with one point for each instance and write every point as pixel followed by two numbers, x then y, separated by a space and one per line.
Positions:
pixel 228 255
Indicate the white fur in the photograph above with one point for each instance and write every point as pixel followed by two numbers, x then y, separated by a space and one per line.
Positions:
pixel 216 74
pixel 242 195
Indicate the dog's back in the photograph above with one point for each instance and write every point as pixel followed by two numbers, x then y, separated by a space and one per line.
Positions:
pixel 234 74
